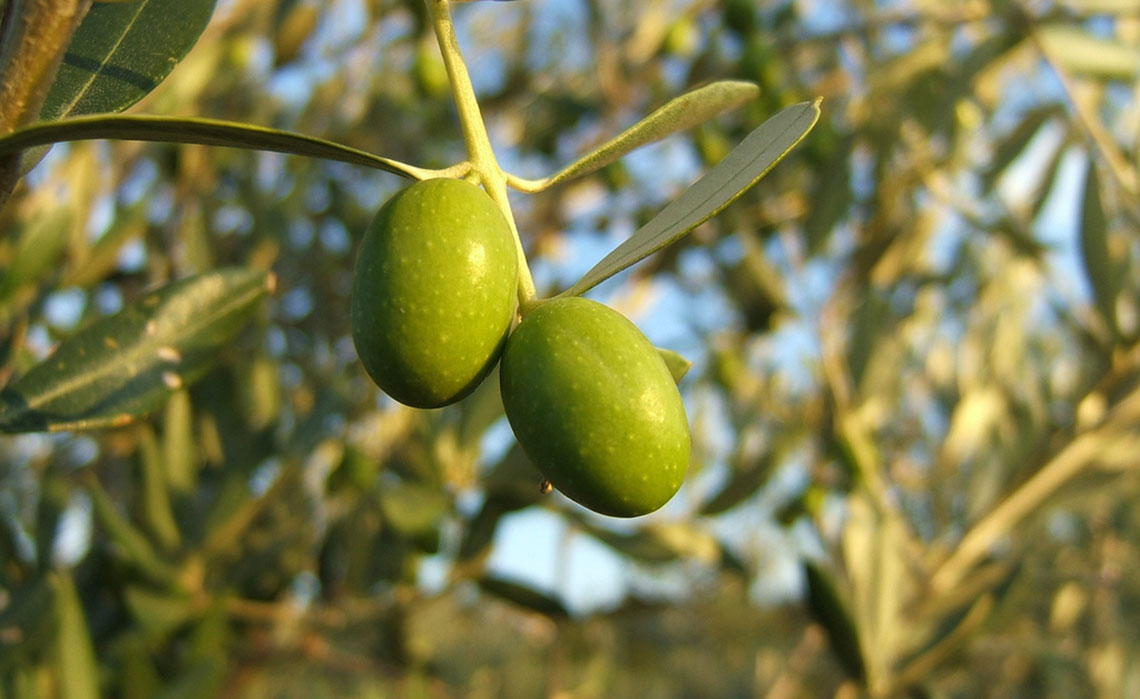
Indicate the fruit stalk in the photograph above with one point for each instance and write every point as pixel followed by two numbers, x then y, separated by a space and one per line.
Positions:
pixel 479 149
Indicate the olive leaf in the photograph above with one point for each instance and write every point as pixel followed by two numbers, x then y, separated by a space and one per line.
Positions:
pixel 78 670
pixel 677 115
pixel 523 596
pixel 123 366
pixel 1100 270
pixel 736 173
pixel 678 365
pixel 828 607
pixel 119 53
pixel 206 132
pixel 122 51
pixel 1085 53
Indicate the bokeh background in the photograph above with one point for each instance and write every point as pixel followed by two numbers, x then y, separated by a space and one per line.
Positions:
pixel 914 398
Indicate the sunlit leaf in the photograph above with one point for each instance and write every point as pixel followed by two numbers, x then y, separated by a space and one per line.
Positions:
pixel 178 447
pixel 124 366
pixel 679 114
pixel 206 132
pixel 1083 52
pixel 730 178
pixel 156 504
pixel 38 251
pixel 412 508
pixel 678 365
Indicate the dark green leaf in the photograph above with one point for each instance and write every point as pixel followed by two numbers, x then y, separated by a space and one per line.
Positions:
pixel 119 53
pixel 54 496
pixel 832 613
pixel 830 199
pixel 124 366
pixel 641 544
pixel 1099 269
pixel 1014 143
pixel 130 543
pixel 24 617
pixel 740 486
pixel 730 178
pixel 122 51
pixel 524 596
pixel 206 132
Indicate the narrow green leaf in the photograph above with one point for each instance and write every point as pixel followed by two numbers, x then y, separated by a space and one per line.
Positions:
pixel 1099 270
pixel 1114 7
pixel 118 54
pixel 524 596
pixel 479 532
pixel 122 51
pixel 831 197
pixel 137 678
pixel 1085 53
pixel 131 544
pixel 828 608
pixel 178 446
pixel 205 132
pixel 730 178
pixel 678 365
pixel 159 613
pixel 640 544
pixel 75 654
pixel 1014 143
pixel 24 617
pixel 1052 169
pixel 679 114
pixel 740 486
pixel 55 494
pixel 124 366
pixel 38 251
pixel 157 507
pixel 413 508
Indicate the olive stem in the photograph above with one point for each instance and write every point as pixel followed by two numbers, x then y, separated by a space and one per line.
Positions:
pixel 480 153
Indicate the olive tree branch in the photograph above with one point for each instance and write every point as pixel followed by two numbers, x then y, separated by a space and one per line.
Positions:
pixel 484 164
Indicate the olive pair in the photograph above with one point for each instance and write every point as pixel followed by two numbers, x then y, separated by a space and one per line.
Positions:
pixel 588 397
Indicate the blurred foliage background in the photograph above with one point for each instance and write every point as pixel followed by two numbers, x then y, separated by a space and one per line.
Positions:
pixel 915 397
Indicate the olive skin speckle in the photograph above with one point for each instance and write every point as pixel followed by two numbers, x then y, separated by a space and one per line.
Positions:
pixel 595 408
pixel 434 292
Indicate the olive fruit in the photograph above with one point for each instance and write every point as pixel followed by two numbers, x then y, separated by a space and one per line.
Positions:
pixel 595 408
pixel 434 292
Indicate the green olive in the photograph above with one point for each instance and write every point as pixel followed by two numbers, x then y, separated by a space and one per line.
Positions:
pixel 434 292
pixel 595 408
